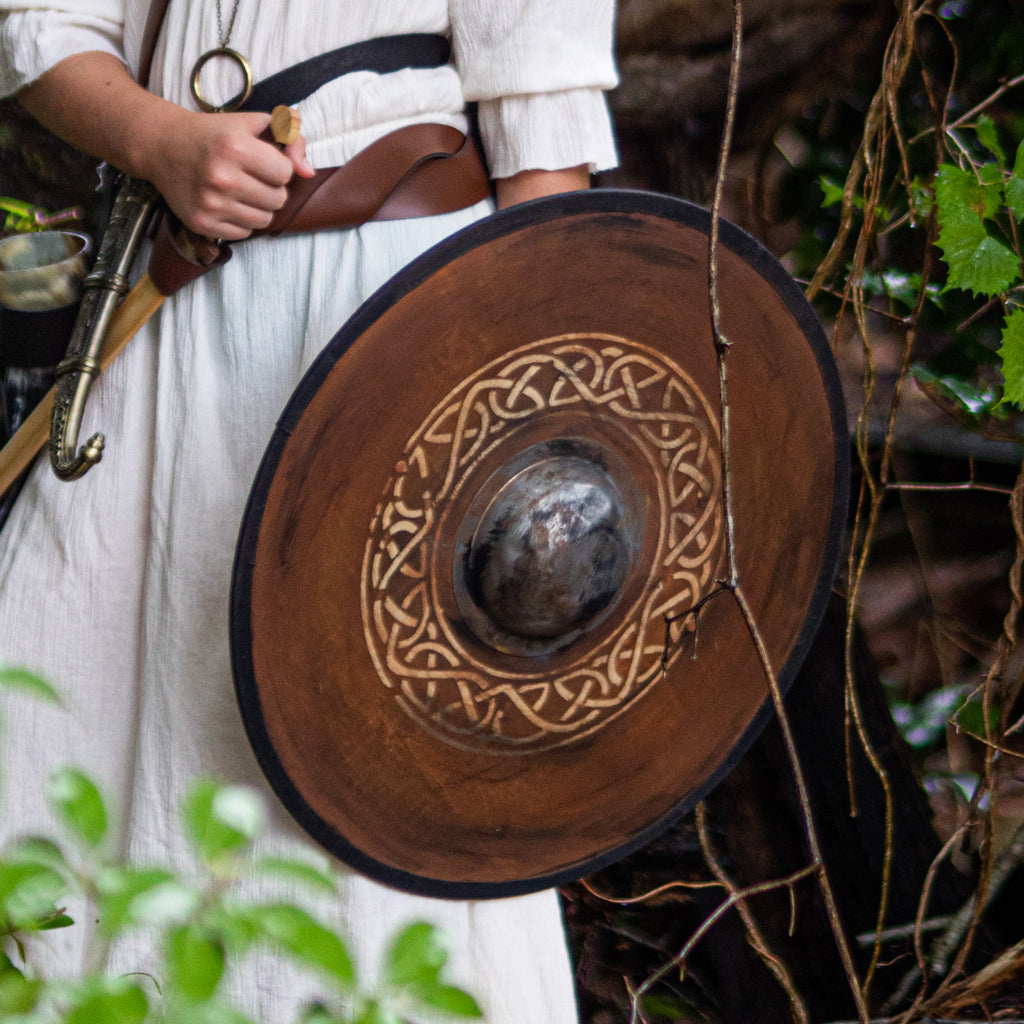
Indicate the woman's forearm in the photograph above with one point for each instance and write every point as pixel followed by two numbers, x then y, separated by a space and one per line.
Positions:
pixel 214 172
pixel 91 101
pixel 535 184
pixel 212 169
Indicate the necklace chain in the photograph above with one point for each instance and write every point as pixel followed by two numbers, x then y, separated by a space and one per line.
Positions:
pixel 225 37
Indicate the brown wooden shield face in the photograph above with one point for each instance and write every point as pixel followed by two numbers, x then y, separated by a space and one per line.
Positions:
pixel 461 628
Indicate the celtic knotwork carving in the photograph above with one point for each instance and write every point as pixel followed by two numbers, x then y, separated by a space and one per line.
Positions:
pixel 462 690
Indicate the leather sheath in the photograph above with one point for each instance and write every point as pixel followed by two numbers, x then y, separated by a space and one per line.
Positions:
pixel 417 171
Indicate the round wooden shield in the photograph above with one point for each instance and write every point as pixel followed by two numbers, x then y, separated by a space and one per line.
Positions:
pixel 464 637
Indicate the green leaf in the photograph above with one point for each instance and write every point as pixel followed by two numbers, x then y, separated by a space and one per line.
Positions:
pixel 77 802
pixel 973 399
pixel 959 192
pixel 195 960
pixel 298 871
pixel 37 850
pixel 964 201
pixel 1014 192
pixel 1011 352
pixel 450 999
pixel 58 920
pixel 318 1013
pixel 989 269
pixel 171 902
pixel 236 925
pixel 209 1012
pixel 18 995
pixel 414 963
pixel 960 233
pixel 28 682
pixel 971 719
pixel 305 939
pixel 991 178
pixel 416 956
pixel 899 286
pixel 118 889
pixel 988 136
pixel 239 808
pixel 377 1013
pixel 920 198
pixel 832 192
pixel 222 820
pixel 29 894
pixel 108 1001
pixel 669 1006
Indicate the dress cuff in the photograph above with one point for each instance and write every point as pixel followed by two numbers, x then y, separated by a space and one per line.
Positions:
pixel 33 41
pixel 547 131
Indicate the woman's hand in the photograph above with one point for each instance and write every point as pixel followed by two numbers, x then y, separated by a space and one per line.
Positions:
pixel 216 174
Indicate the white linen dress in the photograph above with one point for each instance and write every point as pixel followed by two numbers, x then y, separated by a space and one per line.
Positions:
pixel 116 587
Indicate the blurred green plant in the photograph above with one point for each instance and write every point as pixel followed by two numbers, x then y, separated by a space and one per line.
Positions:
pixel 200 927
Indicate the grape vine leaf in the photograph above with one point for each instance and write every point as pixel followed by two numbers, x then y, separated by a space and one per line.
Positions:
pixel 1015 197
pixel 1012 354
pixel 988 136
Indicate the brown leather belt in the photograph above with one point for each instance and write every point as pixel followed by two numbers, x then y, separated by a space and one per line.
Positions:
pixel 417 171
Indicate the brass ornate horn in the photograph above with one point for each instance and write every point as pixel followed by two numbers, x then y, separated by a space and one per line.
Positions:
pixel 102 290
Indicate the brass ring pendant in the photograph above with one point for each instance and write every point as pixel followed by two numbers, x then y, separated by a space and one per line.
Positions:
pixel 232 104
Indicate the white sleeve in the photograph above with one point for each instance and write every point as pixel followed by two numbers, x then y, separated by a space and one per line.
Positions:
pixel 34 38
pixel 538 70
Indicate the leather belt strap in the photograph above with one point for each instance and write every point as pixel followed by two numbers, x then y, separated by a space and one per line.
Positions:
pixel 416 171
pixel 150 34
pixel 382 56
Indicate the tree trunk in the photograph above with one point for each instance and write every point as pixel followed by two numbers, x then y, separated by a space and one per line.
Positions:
pixel 756 827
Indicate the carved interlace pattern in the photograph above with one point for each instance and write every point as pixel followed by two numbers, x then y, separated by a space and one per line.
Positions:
pixel 456 690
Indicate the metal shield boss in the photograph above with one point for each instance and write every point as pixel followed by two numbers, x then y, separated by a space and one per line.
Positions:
pixel 461 625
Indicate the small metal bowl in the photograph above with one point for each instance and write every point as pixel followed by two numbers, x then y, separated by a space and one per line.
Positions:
pixel 43 270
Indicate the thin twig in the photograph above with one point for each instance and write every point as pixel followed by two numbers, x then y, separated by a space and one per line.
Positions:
pixel 918 972
pixel 651 894
pixel 754 935
pixel 905 931
pixel 975 110
pixel 992 874
pixel 927 1020
pixel 1005 864
pixel 967 486
pixel 721 349
pixel 877 132
pixel 706 925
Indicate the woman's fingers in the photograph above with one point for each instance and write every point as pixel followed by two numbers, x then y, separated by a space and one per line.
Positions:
pixel 225 181
pixel 296 152
pixel 216 174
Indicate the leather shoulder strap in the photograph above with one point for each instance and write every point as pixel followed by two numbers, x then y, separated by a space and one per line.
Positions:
pixel 155 18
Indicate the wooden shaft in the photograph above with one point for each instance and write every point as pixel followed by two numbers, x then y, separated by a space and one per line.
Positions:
pixel 138 306
pixel 17 455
